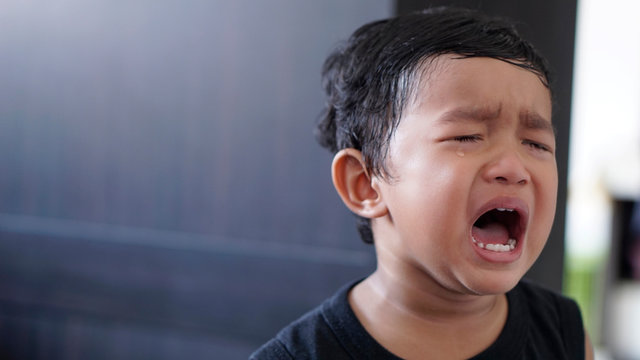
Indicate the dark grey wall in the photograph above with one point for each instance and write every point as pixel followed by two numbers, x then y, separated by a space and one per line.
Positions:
pixel 182 116
pixel 550 26
pixel 161 193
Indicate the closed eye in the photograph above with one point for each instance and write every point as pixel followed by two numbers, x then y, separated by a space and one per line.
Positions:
pixel 467 138
pixel 536 145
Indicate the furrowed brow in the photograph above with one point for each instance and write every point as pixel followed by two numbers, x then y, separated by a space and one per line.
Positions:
pixel 535 121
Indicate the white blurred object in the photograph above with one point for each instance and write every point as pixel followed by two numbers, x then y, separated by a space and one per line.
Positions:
pixel 604 154
pixel 624 309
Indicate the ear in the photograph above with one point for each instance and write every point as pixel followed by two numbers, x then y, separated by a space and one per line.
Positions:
pixel 354 185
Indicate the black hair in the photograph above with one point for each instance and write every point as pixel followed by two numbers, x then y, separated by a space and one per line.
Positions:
pixel 368 79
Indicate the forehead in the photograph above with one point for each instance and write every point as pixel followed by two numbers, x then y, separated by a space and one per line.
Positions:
pixel 481 85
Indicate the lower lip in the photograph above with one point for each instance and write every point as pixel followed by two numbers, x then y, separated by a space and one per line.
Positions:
pixel 498 257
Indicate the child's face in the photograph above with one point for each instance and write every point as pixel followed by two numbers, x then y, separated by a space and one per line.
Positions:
pixel 477 138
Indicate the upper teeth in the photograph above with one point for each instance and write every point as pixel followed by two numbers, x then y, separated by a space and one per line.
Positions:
pixel 504 209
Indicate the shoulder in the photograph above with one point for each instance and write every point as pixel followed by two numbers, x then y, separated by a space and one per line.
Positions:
pixel 544 302
pixel 302 339
pixel 273 349
pixel 311 336
pixel 554 319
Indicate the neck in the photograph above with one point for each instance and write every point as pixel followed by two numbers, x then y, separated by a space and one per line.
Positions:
pixel 411 290
pixel 428 301
pixel 411 314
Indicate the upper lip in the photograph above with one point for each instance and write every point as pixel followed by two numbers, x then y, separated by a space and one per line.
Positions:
pixel 517 204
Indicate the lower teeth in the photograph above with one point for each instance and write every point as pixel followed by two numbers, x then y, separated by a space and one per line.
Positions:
pixel 510 245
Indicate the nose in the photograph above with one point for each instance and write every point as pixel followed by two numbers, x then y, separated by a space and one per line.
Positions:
pixel 507 168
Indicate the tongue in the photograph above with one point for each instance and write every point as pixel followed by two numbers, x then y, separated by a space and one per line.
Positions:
pixel 491 233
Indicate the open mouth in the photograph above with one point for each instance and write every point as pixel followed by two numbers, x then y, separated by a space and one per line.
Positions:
pixel 498 229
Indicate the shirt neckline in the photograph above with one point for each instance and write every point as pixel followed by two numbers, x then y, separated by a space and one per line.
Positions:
pixel 360 344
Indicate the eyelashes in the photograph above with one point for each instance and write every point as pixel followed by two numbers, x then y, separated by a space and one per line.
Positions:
pixel 534 145
pixel 467 138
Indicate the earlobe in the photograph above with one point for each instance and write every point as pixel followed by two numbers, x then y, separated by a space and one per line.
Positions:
pixel 354 185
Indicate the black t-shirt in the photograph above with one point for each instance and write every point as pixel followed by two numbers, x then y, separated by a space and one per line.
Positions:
pixel 540 325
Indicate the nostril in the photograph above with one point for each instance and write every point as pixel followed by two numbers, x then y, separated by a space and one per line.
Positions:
pixel 504 180
pixel 508 169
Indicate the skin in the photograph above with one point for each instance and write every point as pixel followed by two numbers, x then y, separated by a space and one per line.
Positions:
pixel 479 129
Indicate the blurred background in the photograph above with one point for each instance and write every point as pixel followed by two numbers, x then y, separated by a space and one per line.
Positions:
pixel 162 196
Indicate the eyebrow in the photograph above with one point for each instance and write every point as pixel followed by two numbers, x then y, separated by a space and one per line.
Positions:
pixel 528 119
pixel 475 114
pixel 534 121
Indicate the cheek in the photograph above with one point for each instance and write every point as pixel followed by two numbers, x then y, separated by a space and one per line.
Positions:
pixel 430 196
pixel 550 190
pixel 546 198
